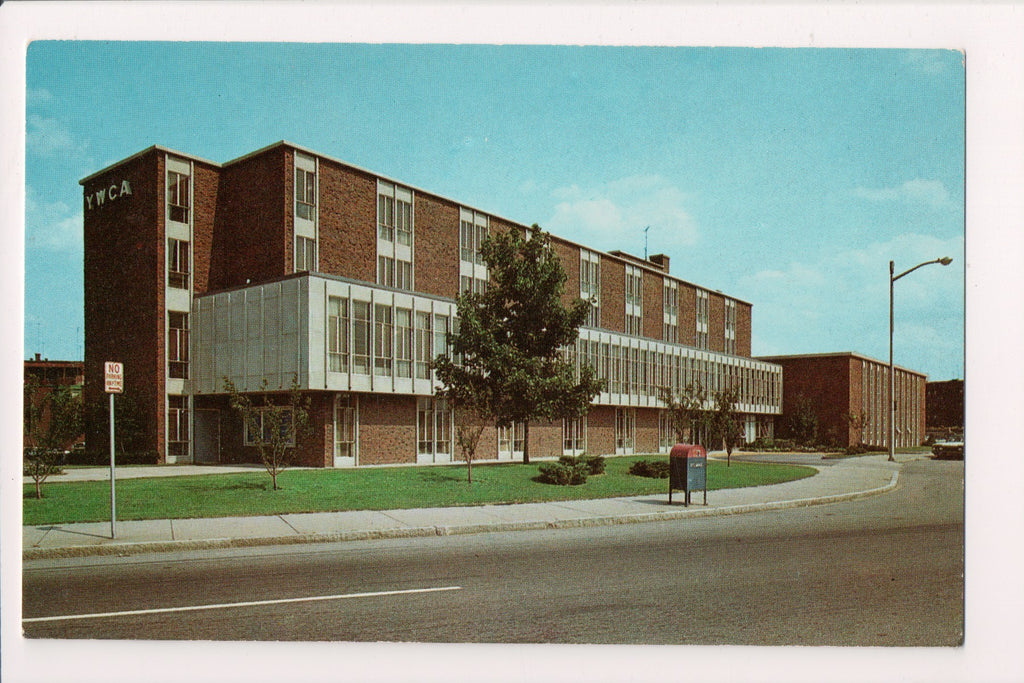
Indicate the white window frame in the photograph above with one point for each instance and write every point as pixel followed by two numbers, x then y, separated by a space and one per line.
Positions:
pixel 574 436
pixel 346 405
pixel 285 410
pixel 179 274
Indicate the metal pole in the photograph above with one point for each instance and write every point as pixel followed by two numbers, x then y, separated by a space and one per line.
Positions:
pixel 892 375
pixel 113 515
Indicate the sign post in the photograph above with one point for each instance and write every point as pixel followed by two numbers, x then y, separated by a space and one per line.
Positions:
pixel 113 382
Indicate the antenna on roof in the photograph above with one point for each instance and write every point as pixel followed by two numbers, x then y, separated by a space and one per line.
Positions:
pixel 645 241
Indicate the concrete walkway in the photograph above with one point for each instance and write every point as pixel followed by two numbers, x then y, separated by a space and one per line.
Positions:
pixel 836 481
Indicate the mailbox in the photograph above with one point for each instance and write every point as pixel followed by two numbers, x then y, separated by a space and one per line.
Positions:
pixel 688 470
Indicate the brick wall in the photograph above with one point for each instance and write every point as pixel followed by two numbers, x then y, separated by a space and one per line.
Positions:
pixel 348 222
pixel 743 329
pixel 569 255
pixel 601 430
pixel 654 305
pixel 613 294
pixel 687 314
pixel 252 240
pixel 646 440
pixel 387 429
pixel 437 246
pixel 716 322
pixel 123 296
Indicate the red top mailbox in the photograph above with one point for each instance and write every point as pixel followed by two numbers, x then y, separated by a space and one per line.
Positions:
pixel 685 450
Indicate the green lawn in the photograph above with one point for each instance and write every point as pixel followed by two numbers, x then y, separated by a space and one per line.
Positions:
pixel 249 493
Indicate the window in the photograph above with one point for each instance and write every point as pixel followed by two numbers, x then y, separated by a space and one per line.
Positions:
pixel 403 342
pixel 177 197
pixel 386 217
pixel 177 264
pixel 394 214
pixel 305 254
pixel 177 425
pixel 666 430
pixel 433 427
pixel 386 271
pixel 670 326
pixel 345 427
pixel 177 345
pixel 730 326
pixel 423 341
pixel 574 436
pixel 625 427
pixel 382 350
pixel 265 422
pixel 361 337
pixel 440 335
pixel 403 274
pixel 702 319
pixel 634 301
pixel 466 244
pixel 337 334
pixel 305 194
pixel 473 230
pixel 511 439
pixel 590 285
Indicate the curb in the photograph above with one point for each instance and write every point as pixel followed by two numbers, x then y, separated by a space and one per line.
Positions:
pixel 127 549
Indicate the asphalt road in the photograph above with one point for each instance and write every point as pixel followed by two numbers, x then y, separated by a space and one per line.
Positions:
pixel 886 570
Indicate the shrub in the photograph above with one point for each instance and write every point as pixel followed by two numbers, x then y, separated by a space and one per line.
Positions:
pixel 100 458
pixel 563 475
pixel 594 464
pixel 655 469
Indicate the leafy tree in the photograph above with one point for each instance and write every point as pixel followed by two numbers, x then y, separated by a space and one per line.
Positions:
pixel 802 422
pixel 274 427
pixel 689 410
pixel 857 422
pixel 725 420
pixel 509 338
pixel 52 419
pixel 129 432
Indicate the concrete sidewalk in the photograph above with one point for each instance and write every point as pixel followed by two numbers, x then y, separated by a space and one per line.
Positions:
pixel 839 480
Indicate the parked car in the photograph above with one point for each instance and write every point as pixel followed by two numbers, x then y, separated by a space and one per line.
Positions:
pixel 951 448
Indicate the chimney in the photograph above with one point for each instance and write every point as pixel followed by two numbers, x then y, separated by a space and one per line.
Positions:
pixel 660 260
pixel 38 357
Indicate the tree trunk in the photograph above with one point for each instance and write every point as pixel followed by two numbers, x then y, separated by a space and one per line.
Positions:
pixel 469 470
pixel 526 440
pixel 39 490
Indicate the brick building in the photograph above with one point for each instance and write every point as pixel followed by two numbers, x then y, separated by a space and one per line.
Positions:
pixel 50 374
pixel 286 263
pixel 848 393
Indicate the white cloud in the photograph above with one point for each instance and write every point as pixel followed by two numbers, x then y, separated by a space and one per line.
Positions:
pixel 613 215
pixel 929 192
pixel 36 97
pixel 841 304
pixel 47 137
pixel 51 225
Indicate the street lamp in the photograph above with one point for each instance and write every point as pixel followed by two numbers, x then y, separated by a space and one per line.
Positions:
pixel 945 260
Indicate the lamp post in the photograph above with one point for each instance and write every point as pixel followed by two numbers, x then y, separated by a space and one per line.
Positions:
pixel 945 260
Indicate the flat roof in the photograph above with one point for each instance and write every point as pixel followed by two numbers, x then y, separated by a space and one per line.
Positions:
pixel 835 354
pixel 305 150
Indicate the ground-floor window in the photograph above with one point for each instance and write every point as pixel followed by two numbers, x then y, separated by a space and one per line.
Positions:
pixel 625 430
pixel 177 426
pixel 346 430
pixel 574 436
pixel 265 423
pixel 434 430
pixel 666 431
pixel 511 440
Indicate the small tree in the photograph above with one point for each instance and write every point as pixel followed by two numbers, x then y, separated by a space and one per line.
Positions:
pixel 510 338
pixel 689 411
pixel 857 422
pixel 274 428
pixel 467 435
pixel 803 421
pixel 725 421
pixel 52 419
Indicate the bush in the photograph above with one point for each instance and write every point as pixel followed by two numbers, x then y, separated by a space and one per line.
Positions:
pixel 562 474
pixel 655 469
pixel 594 464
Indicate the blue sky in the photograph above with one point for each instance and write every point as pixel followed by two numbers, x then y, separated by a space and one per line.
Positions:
pixel 785 177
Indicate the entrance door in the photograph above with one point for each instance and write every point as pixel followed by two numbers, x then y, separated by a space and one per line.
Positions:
pixel 207 436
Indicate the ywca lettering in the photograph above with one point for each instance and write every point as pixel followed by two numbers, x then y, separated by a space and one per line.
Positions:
pixel 97 198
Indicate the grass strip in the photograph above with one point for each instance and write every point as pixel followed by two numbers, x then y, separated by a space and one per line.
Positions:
pixel 328 490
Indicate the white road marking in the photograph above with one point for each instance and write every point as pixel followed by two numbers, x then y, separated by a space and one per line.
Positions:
pixel 257 603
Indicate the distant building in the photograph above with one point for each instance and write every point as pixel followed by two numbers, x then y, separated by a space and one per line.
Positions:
pixel 52 374
pixel 848 393
pixel 945 401
pixel 286 263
